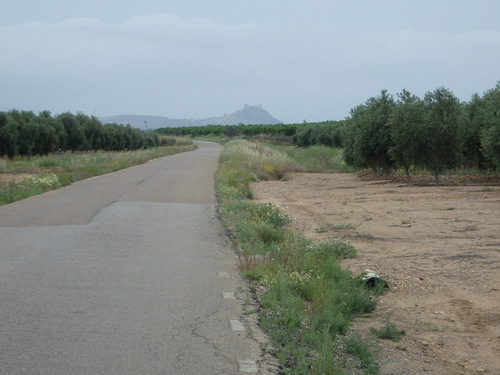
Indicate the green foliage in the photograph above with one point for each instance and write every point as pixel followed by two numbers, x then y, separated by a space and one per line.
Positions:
pixel 490 141
pixel 233 130
pixel 319 158
pixel 490 133
pixel 437 133
pixel 338 248
pixel 388 332
pixel 409 141
pixel 308 299
pixel 324 133
pixel 258 160
pixel 44 182
pixel 473 124
pixel 22 133
pixel 371 134
pixel 353 344
pixel 443 133
pixel 27 186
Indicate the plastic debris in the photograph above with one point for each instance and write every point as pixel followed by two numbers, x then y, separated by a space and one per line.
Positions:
pixel 372 280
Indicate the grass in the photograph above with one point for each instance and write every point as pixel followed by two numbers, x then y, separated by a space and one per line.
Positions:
pixel 317 158
pixel 388 332
pixel 344 226
pixel 307 299
pixel 37 175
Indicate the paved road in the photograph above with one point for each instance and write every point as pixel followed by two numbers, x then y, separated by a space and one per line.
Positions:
pixel 122 274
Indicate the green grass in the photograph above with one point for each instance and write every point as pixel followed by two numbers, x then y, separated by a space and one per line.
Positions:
pixel 68 168
pixel 308 300
pixel 317 158
pixel 388 332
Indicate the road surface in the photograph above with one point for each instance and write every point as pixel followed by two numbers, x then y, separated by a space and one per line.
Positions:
pixel 126 273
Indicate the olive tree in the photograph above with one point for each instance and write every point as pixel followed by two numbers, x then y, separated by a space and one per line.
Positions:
pixel 406 122
pixel 367 139
pixel 442 131
pixel 490 136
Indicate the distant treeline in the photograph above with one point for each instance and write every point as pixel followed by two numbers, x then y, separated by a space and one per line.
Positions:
pixel 232 130
pixel 438 132
pixel 23 133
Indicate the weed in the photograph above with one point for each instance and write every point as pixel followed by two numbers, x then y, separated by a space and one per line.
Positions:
pixel 249 334
pixel 388 332
pixel 348 226
pixel 318 158
pixel 48 162
pixel 355 345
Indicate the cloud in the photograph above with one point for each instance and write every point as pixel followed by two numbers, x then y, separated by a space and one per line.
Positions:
pixel 199 68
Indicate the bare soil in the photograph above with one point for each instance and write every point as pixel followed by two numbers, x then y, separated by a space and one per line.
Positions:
pixel 437 246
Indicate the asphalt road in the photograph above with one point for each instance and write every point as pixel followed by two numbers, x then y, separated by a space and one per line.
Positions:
pixel 123 274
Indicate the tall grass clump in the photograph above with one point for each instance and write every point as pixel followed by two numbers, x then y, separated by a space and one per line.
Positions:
pixel 308 300
pixel 319 158
pixel 261 161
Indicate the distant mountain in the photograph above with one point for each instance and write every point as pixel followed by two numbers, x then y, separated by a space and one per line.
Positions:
pixel 249 115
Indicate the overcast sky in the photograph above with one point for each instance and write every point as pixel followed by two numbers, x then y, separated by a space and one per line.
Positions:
pixel 308 60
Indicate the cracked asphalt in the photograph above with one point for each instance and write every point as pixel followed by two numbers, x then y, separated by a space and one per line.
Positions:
pixel 118 274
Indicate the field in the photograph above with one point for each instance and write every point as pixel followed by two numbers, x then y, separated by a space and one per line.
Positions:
pixel 437 246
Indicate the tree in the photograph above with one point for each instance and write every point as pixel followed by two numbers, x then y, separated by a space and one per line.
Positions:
pixel 442 131
pixel 490 134
pixel 48 139
pixel 473 124
pixel 28 130
pixel 8 136
pixel 371 133
pixel 75 139
pixel 406 122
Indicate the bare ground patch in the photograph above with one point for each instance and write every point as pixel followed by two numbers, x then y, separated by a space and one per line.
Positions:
pixel 439 248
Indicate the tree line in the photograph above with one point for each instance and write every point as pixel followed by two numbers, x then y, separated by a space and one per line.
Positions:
pixel 437 132
pixel 232 130
pixel 24 133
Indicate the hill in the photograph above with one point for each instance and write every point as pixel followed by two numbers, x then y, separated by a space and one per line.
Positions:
pixel 248 115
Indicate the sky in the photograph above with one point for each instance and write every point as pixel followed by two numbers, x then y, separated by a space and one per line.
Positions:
pixel 310 60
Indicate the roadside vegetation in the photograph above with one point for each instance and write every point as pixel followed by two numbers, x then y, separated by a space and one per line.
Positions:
pixel 23 177
pixel 307 300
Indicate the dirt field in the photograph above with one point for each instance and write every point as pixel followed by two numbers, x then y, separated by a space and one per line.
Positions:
pixel 437 246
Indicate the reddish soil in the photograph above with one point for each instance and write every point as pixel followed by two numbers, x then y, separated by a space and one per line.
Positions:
pixel 437 246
